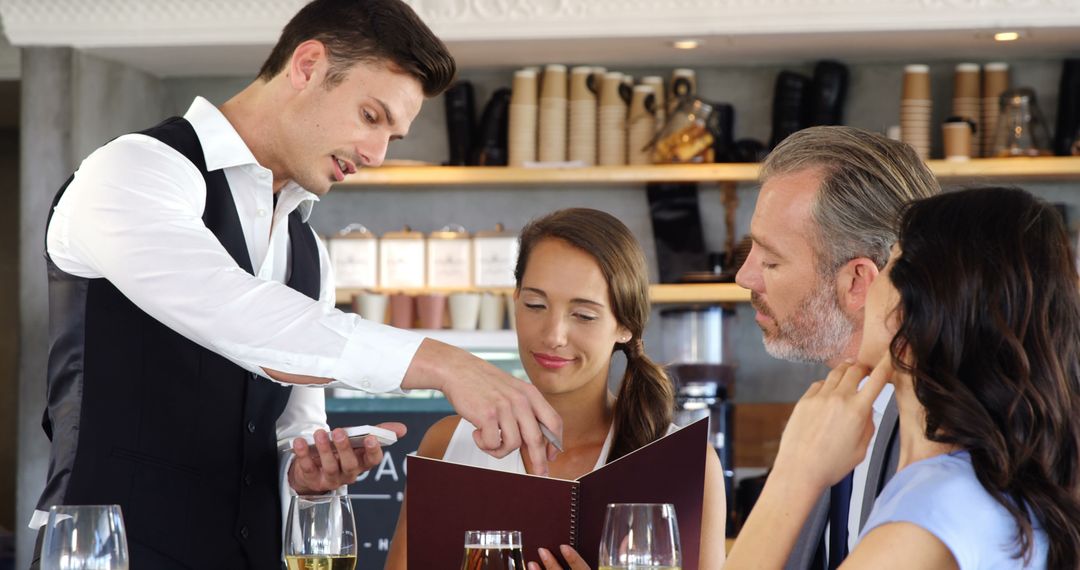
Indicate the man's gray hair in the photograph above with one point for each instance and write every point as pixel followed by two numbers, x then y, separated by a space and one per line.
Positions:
pixel 866 181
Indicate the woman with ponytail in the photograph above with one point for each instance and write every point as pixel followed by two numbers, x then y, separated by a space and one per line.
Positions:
pixel 975 322
pixel 582 294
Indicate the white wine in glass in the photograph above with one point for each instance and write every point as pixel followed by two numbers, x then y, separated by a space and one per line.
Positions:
pixel 640 536
pixel 320 533
pixel 84 537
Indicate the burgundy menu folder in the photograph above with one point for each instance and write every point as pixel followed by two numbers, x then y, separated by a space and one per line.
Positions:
pixel 446 499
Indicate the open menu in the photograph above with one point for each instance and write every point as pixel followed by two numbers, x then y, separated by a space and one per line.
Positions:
pixel 446 499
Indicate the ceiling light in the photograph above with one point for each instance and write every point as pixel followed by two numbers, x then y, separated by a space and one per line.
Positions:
pixel 1006 36
pixel 685 44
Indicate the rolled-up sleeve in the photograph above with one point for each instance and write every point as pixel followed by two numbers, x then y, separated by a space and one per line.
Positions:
pixel 133 215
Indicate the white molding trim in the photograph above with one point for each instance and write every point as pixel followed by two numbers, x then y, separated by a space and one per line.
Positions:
pixel 140 23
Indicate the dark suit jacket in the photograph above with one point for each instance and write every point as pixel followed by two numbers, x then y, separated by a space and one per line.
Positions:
pixel 883 460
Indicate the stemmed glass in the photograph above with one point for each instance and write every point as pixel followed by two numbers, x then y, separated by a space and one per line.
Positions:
pixel 492 550
pixel 640 536
pixel 84 537
pixel 320 533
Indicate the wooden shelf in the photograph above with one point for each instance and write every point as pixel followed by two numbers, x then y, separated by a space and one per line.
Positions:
pixel 660 294
pixel 1004 169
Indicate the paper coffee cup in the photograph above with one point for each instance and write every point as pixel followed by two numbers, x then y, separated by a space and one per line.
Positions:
pixel 523 89
pixel 957 139
pixel 966 81
pixel 553 84
pixel 917 82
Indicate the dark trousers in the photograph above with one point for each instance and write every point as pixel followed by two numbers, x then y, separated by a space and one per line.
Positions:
pixel 35 562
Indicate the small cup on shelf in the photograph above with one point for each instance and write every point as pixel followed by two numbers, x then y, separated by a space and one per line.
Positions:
pixel 371 306
pixel 430 308
pixel 464 311
pixel 492 311
pixel 402 311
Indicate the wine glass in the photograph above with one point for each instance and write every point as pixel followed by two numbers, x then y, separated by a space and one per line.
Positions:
pixel 493 550
pixel 640 536
pixel 84 537
pixel 320 533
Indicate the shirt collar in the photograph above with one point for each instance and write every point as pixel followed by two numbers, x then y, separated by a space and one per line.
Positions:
pixel 304 200
pixel 223 148
pixel 221 144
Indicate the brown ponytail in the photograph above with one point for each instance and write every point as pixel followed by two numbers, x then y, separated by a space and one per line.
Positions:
pixel 643 407
pixel 646 399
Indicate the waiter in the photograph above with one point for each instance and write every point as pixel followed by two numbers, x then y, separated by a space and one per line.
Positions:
pixel 189 298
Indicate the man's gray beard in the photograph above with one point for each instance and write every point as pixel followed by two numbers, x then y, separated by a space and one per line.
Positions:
pixel 818 331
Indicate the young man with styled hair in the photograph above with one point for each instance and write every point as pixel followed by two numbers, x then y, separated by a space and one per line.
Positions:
pixel 189 299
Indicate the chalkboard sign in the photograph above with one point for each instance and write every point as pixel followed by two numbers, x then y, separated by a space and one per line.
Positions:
pixel 378 493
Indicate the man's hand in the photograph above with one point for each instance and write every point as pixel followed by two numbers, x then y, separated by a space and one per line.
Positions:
pixel 507 412
pixel 333 462
pixel 574 559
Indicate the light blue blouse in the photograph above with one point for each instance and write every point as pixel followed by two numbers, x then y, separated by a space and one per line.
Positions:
pixel 942 495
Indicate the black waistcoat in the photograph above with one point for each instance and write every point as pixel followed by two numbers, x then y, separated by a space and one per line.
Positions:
pixel 181 438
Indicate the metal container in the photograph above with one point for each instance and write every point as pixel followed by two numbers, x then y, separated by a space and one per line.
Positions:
pixel 354 255
pixel 694 334
pixel 401 260
pixel 494 255
pixel 449 258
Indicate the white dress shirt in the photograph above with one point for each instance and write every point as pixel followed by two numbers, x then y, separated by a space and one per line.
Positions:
pixel 858 477
pixel 133 215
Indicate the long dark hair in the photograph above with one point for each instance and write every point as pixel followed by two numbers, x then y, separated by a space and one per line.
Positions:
pixel 990 328
pixel 644 404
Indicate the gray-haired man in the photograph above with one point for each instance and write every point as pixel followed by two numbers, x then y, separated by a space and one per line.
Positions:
pixel 822 228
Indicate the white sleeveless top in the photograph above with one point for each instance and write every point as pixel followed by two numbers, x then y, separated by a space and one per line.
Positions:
pixel 462 449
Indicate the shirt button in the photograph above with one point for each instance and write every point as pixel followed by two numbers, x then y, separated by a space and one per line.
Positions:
pixel 247 479
pixel 251 427
pixel 261 212
pixel 244 532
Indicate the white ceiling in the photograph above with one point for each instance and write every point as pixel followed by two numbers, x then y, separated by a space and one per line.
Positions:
pixel 244 60
pixel 210 37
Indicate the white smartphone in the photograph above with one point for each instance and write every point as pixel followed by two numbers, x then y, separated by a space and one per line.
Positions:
pixel 356 437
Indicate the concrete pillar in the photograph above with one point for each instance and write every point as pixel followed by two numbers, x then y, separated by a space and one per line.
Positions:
pixel 46 163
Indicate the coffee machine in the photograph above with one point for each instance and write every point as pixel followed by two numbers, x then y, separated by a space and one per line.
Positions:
pixel 694 347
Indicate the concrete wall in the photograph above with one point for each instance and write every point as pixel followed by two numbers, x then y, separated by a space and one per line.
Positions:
pixel 873 104
pixel 71 104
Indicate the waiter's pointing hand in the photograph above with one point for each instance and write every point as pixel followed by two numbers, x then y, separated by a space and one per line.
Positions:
pixel 507 412
pixel 333 462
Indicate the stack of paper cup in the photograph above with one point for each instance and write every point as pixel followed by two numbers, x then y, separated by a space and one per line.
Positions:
pixel 657 83
pixel 521 138
pixel 611 124
pixel 640 125
pixel 582 136
pixel 552 141
pixel 966 101
pixel 915 109
pixel 995 82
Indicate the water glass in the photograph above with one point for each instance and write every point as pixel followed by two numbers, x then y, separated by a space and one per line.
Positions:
pixel 84 537
pixel 640 536
pixel 320 533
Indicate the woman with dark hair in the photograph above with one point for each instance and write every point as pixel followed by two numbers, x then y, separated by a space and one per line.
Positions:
pixel 976 323
pixel 582 294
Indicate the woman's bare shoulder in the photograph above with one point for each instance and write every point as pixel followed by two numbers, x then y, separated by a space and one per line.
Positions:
pixel 438 437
